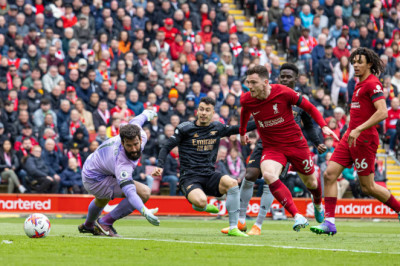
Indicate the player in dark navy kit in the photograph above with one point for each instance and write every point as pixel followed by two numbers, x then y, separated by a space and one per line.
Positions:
pixel 360 142
pixel 288 77
pixel 198 143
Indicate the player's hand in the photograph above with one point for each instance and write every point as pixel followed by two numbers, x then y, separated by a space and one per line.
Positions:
pixel 150 114
pixel 354 134
pixel 322 148
pixel 244 140
pixel 157 171
pixel 327 131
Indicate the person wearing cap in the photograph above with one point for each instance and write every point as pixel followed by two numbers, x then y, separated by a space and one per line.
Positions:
pixel 142 61
pixel 11 16
pixel 82 32
pixel 305 46
pixel 170 31
pixel 12 57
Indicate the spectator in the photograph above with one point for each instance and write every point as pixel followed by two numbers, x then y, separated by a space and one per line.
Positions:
pixel 342 73
pixel 171 171
pixel 306 44
pixel 38 171
pixel 71 178
pixel 68 129
pixel 39 115
pixel 8 166
pixel 340 50
pixel 390 124
pixel 325 68
pixel 52 158
pixel 51 79
pixel 235 165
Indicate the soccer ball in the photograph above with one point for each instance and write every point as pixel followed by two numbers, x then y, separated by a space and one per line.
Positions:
pixel 37 225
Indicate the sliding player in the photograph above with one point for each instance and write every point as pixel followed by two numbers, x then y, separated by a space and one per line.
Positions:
pixel 282 139
pixel 360 142
pixel 107 174
pixel 198 143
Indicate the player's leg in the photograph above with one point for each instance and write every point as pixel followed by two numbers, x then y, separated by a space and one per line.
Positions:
pixel 330 190
pixel 194 192
pixel 271 168
pixel 253 172
pixel 125 207
pixel 229 186
pixel 265 205
pixel 313 185
pixel 95 209
pixel 368 186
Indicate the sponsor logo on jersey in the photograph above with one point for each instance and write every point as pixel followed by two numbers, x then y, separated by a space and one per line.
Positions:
pixel 270 123
pixel 355 105
pixel 275 107
pixel 212 133
pixel 195 135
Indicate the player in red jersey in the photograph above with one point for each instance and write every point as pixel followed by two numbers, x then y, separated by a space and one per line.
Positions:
pixel 360 142
pixel 282 138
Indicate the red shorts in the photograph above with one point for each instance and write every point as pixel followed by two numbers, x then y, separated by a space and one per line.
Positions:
pixel 363 156
pixel 300 158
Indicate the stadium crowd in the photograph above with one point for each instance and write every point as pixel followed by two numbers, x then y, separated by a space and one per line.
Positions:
pixel 73 72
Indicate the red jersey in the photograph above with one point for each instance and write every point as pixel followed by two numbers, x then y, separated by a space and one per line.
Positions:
pixel 274 116
pixel 393 116
pixel 362 107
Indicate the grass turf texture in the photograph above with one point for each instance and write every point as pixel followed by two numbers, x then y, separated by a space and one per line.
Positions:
pixel 199 242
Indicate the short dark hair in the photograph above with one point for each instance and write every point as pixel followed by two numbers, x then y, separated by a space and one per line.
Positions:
pixel 290 66
pixel 129 132
pixel 371 57
pixel 45 101
pixel 208 100
pixel 328 46
pixel 262 71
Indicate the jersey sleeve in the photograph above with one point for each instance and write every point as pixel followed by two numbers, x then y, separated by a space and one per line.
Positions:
pixel 292 97
pixel 375 91
pixel 123 171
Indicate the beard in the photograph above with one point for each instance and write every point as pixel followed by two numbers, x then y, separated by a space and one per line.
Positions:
pixel 133 155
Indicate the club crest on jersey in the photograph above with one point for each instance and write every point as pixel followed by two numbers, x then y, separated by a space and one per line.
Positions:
pixel 195 135
pixel 212 133
pixel 275 108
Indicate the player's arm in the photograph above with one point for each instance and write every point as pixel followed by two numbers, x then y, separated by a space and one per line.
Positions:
pixel 380 114
pixel 146 115
pixel 244 118
pixel 123 175
pixel 232 130
pixel 162 156
pixel 305 104
pixel 312 132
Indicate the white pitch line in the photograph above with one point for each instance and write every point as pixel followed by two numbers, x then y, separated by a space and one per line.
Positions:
pixel 243 244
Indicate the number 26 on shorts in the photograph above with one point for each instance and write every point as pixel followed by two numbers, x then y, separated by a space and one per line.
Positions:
pixel 361 165
pixel 308 164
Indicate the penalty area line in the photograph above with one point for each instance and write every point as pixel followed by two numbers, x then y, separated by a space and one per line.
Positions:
pixel 241 244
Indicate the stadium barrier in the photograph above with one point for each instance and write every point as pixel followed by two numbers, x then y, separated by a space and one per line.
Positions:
pixel 178 206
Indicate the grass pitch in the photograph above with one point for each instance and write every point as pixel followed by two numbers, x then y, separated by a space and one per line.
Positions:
pixel 182 241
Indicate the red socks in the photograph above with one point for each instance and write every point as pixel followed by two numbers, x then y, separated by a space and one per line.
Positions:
pixel 282 194
pixel 317 193
pixel 330 206
pixel 393 203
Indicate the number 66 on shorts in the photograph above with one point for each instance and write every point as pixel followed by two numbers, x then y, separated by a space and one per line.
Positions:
pixel 361 165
